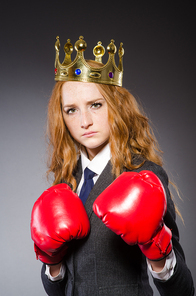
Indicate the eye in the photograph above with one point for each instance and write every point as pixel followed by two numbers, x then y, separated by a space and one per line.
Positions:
pixel 70 111
pixel 96 105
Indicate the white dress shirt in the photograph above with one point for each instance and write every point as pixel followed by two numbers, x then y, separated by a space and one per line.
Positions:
pixel 97 165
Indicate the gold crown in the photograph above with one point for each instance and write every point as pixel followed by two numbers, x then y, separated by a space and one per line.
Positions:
pixel 80 70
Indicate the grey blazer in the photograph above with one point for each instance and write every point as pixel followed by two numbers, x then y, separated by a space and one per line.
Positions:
pixel 102 264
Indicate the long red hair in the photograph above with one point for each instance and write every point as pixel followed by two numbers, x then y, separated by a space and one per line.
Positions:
pixel 130 134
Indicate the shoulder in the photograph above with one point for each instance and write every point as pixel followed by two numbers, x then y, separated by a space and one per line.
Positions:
pixel 163 177
pixel 153 167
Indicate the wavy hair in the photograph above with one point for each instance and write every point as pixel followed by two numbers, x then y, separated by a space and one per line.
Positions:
pixel 130 131
pixel 130 134
pixel 62 155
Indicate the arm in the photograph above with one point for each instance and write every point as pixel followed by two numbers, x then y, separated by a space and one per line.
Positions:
pixel 56 288
pixel 55 272
pixel 168 269
pixel 181 282
pixel 133 206
pixel 55 269
pixel 58 217
pixel 157 265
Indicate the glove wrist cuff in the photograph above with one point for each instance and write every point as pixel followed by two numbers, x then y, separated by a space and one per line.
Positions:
pixel 160 246
pixel 47 259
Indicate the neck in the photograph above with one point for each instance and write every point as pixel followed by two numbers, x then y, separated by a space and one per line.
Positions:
pixel 91 153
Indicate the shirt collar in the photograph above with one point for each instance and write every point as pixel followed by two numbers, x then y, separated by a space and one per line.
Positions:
pixel 98 163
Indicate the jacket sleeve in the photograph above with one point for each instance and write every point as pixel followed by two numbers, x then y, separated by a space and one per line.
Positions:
pixel 56 288
pixel 181 282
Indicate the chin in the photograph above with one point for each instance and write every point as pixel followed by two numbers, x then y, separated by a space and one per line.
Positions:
pixel 97 146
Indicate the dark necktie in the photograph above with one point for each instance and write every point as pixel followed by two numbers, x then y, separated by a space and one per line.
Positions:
pixel 87 185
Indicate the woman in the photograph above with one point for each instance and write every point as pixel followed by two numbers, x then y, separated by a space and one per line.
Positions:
pixel 100 126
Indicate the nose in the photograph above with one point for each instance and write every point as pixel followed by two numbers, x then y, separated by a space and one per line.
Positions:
pixel 85 119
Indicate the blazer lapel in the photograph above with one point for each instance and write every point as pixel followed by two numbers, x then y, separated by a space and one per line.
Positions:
pixel 78 174
pixel 104 180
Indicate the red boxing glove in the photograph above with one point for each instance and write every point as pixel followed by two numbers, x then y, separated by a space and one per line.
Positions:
pixel 133 206
pixel 58 216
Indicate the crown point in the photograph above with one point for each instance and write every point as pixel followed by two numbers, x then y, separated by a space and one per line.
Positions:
pixel 57 44
pixel 68 47
pixel 81 45
pixel 98 51
pixel 121 50
pixel 111 48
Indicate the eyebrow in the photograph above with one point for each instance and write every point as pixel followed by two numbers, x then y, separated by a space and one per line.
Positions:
pixel 69 106
pixel 88 102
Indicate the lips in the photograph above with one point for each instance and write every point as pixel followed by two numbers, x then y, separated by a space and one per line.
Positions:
pixel 89 134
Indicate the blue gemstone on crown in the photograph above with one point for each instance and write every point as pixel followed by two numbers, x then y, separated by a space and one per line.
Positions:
pixel 78 72
pixel 111 74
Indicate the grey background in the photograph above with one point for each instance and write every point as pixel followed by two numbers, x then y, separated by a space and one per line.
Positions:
pixel 159 69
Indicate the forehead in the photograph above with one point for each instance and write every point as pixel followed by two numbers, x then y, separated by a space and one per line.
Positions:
pixel 74 90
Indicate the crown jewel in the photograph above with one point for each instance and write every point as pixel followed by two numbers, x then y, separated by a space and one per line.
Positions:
pixel 80 70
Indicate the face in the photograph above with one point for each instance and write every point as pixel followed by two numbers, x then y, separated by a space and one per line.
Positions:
pixel 85 113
